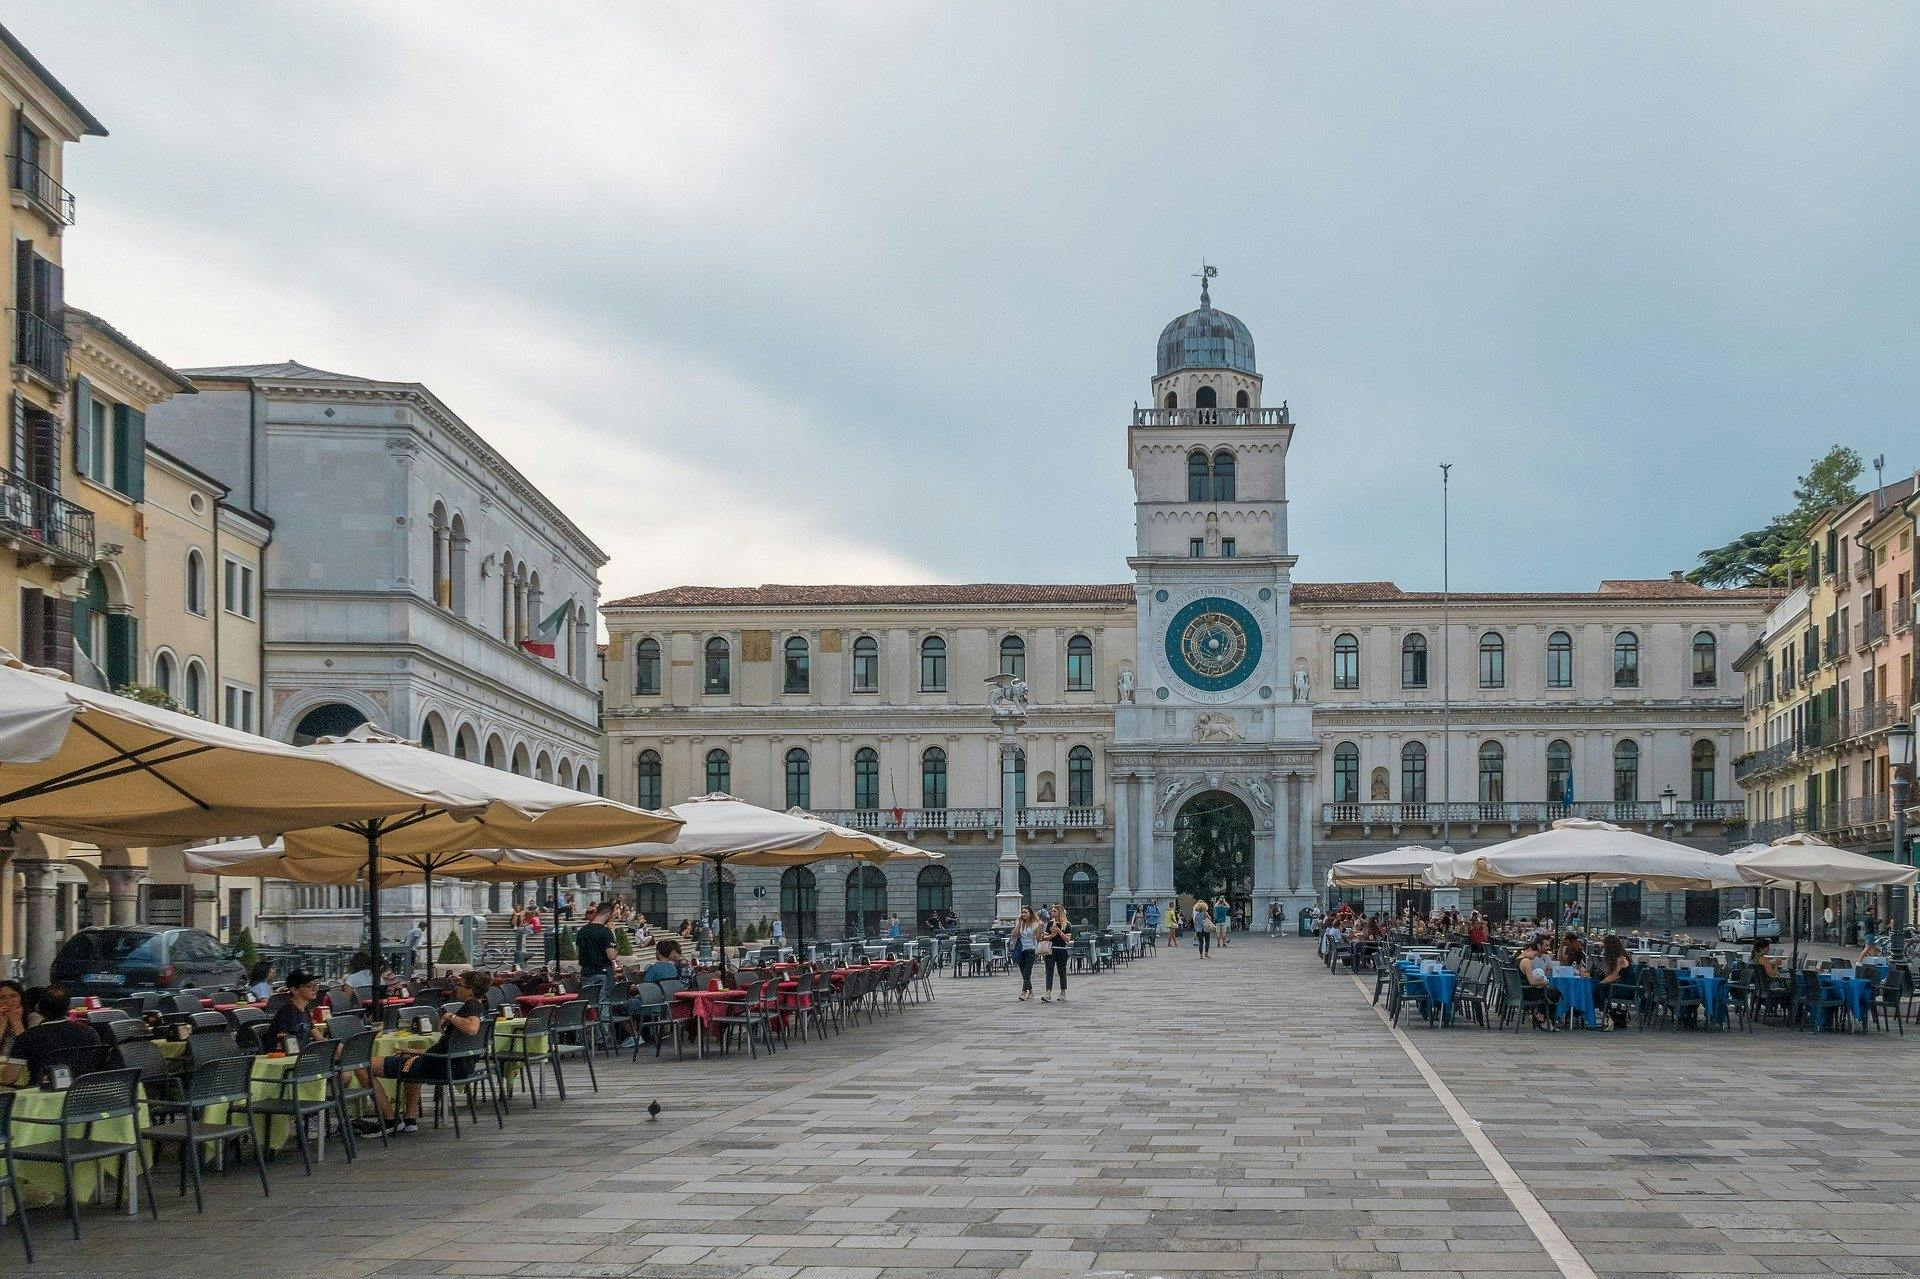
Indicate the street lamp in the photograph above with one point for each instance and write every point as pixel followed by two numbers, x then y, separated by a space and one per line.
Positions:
pixel 1669 804
pixel 1899 760
pixel 1007 700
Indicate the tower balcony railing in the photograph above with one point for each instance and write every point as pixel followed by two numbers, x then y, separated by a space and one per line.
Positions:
pixel 1211 417
pixel 953 821
pixel 1470 815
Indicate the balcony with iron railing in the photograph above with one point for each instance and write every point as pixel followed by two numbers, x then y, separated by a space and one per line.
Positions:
pixel 1767 759
pixel 1470 815
pixel 1852 814
pixel 1874 717
pixel 1870 631
pixel 39 523
pixel 1903 614
pixel 40 347
pixel 954 821
pixel 1211 417
pixel 1767 829
pixel 31 179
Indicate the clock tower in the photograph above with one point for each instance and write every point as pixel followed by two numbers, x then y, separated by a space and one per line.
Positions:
pixel 1215 730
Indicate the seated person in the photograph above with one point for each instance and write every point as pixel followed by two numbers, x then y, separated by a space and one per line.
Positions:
pixel 1612 968
pixel 260 980
pixel 1573 951
pixel 1764 959
pixel 666 965
pixel 1535 969
pixel 410 1069
pixel 293 1016
pixel 37 1048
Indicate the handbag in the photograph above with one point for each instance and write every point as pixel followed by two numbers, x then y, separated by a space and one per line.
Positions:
pixel 1044 949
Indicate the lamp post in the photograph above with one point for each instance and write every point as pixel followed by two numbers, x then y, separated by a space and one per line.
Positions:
pixel 1899 760
pixel 1007 698
pixel 1669 804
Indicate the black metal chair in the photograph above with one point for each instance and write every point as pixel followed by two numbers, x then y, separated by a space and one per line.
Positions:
pixel 207 1046
pixel 466 1062
pixel 9 1181
pixel 105 1097
pixel 648 1016
pixel 519 1052
pixel 188 1125
pixel 1889 999
pixel 314 1065
pixel 353 1078
pixel 567 1038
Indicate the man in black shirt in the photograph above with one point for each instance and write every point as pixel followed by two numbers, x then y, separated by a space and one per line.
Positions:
pixel 408 1069
pixel 293 1017
pixel 53 1040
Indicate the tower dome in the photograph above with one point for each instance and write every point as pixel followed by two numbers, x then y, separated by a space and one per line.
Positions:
pixel 1208 338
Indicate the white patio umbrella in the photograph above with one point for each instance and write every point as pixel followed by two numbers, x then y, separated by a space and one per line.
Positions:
pixel 1392 868
pixel 82 764
pixel 1809 861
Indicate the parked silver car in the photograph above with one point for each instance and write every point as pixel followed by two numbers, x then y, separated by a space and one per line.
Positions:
pixel 1750 924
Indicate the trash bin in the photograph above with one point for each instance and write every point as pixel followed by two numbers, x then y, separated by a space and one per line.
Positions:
pixel 1306 923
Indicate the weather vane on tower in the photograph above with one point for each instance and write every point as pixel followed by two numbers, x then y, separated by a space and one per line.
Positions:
pixel 1204 274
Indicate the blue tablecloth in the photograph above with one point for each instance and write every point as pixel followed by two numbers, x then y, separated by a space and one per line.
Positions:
pixel 1440 989
pixel 1712 991
pixel 1576 996
pixel 1856 991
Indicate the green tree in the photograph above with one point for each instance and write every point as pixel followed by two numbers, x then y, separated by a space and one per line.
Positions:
pixel 623 941
pixel 1212 845
pixel 149 694
pixel 246 949
pixel 1775 555
pixel 451 951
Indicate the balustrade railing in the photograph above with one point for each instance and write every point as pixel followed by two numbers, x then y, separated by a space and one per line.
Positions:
pixel 1211 417
pixel 955 820
pixel 1539 813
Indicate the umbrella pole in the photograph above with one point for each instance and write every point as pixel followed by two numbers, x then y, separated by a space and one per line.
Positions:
pixel 553 934
pixel 720 909
pixel 1586 910
pixel 375 987
pixel 1410 883
pixel 429 882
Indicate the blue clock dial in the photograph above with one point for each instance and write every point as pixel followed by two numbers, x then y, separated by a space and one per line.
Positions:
pixel 1213 644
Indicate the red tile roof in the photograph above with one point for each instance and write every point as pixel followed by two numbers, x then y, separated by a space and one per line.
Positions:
pixel 1120 594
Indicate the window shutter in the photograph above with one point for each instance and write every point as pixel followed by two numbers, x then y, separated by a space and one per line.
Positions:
pixel 82 423
pixel 55 299
pixel 33 626
pixel 22 278
pixel 17 445
pixel 129 451
pixel 58 644
pixel 123 637
pixel 83 627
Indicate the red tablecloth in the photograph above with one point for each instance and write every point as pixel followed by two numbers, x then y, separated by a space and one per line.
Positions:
pixel 705 1004
pixel 543 1001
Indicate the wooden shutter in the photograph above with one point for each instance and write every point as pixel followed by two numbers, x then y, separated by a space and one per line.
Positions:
pixel 23 277
pixel 33 626
pixel 123 646
pixel 83 427
pixel 130 451
pixel 43 452
pixel 17 445
pixel 58 630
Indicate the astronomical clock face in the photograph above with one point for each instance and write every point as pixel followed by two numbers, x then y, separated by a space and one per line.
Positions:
pixel 1213 644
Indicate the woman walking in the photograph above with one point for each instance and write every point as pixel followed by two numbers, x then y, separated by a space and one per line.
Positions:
pixel 1026 948
pixel 1059 941
pixel 1202 927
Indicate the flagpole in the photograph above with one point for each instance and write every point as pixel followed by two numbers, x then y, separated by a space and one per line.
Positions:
pixel 1446 661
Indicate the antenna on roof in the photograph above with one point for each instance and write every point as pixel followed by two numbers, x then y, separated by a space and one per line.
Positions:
pixel 1879 480
pixel 1204 274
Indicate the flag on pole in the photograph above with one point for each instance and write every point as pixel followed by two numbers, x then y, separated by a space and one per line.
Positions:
pixel 541 643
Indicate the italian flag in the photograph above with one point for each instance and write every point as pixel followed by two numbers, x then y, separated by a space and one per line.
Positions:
pixel 541 643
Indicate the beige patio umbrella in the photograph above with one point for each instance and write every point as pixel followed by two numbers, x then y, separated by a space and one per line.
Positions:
pixel 1389 869
pixel 81 764
pixel 1808 860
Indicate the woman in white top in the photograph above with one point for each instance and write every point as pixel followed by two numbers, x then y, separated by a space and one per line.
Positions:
pixel 1026 948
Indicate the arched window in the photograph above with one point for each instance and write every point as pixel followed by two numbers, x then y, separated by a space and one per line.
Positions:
pixel 1559 772
pixel 719 666
pixel 431 734
pixel 719 772
pixel 1706 660
pixel 1559 660
pixel 933 778
pixel 1205 398
pixel 1493 773
pixel 1080 777
pixel 799 902
pixel 933 897
pixel 866 778
pixel 720 901
pixel 163 672
pixel 866 664
pixel 933 665
pixel 1240 400
pixel 1413 662
pixel 196 583
pixel 442 553
pixel 457 564
pixel 650 899
pixel 1626 660
pixel 1172 401
pixel 1079 664
pixel 866 901
pixel 1703 760
pixel 796 672
pixel 582 780
pixel 1080 895
pixel 646 668
pixel 1346 773
pixel 799 779
pixel 1019 781
pixel 1199 476
pixel 1223 490
pixel 1346 662
pixel 1626 771
pixel 330 719
pixel 1413 773
pixel 646 779
pixel 1493 661
pixel 1013 657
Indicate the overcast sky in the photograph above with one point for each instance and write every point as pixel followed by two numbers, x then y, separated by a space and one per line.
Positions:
pixel 805 293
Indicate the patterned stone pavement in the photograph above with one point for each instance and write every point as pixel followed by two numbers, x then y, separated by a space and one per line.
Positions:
pixel 1244 1113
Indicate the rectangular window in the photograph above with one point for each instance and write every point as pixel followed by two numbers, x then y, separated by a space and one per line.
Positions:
pixel 237 707
pixel 100 441
pixel 236 588
pixel 1227 548
pixel 1196 547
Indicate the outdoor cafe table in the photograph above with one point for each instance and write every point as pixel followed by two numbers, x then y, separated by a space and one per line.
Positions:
pixel 1856 991
pixel 1712 989
pixel 701 1005
pixel 544 1001
pixel 1576 996
pixel 1439 985
pixel 40 1183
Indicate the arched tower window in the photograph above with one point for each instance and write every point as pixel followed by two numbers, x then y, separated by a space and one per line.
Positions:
pixel 1198 476
pixel 1204 398
pixel 1240 400
pixel 1413 662
pixel 1346 773
pixel 1172 401
pixel 797 675
pixel 1223 489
